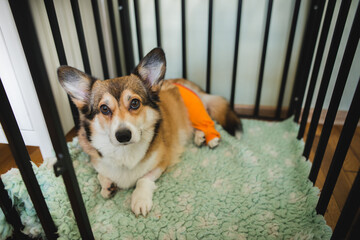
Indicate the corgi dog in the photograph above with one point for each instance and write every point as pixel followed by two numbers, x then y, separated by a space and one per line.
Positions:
pixel 134 127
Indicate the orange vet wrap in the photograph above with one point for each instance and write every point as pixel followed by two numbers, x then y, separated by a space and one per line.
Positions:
pixel 198 115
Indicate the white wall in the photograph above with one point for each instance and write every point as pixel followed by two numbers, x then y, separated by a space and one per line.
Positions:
pixel 18 84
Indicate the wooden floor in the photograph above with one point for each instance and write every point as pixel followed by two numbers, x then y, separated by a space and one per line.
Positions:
pixel 344 183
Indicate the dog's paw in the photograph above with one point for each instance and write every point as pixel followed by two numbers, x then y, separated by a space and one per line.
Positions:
pixel 141 202
pixel 214 142
pixel 108 188
pixel 108 192
pixel 199 137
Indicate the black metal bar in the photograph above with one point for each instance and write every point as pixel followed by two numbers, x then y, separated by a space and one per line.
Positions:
pixel 114 38
pixel 342 147
pixel 138 28
pixel 263 57
pixel 349 211
pixel 23 161
pixel 126 35
pixel 99 33
pixel 316 67
pixel 236 54
pixel 183 30
pixel 336 97
pixel 354 232
pixel 157 21
pixel 330 61
pixel 26 29
pixel 287 58
pixel 10 213
pixel 81 36
pixel 50 9
pixel 208 67
pixel 306 55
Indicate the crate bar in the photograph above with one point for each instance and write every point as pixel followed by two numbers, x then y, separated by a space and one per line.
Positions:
pixel 306 55
pixel 334 46
pixel 348 212
pixel 126 35
pixel 316 67
pixel 30 43
pixel 208 66
pixel 114 38
pixel 304 76
pixel 287 58
pixel 236 54
pixel 354 232
pixel 10 213
pixel 138 28
pixel 80 35
pixel 23 161
pixel 99 33
pixel 183 30
pixel 263 57
pixel 336 98
pixel 342 147
pixel 50 10
pixel 157 21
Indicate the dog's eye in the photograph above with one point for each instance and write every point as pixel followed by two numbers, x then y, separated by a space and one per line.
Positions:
pixel 135 104
pixel 105 109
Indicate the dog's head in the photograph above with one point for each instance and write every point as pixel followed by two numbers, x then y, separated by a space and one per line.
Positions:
pixel 120 111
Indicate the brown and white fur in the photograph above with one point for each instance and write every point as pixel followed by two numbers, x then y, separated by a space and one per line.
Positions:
pixel 134 127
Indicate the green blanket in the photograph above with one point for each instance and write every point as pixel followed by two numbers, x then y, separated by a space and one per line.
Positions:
pixel 253 188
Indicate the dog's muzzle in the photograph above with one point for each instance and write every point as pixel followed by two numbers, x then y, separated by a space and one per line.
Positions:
pixel 123 135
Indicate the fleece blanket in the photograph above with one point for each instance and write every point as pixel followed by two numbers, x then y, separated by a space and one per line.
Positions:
pixel 252 188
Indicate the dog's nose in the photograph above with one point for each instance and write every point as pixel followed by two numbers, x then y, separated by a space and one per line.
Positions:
pixel 123 135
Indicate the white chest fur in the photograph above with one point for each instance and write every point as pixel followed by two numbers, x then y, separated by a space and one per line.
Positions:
pixel 123 176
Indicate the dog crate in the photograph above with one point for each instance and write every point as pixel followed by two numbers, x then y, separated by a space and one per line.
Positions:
pixel 318 52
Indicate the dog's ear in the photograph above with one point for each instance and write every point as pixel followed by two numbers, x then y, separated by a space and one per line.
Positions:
pixel 152 67
pixel 76 83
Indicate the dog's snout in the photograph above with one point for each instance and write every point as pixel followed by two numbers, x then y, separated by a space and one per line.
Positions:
pixel 123 135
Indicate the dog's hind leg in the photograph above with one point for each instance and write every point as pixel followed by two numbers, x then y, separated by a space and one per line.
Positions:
pixel 199 137
pixel 108 188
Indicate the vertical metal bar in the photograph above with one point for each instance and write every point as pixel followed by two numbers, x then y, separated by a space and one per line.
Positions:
pixel 81 36
pixel 330 61
pixel 336 96
pixel 306 56
pixel 114 38
pixel 30 43
pixel 342 147
pixel 208 67
pixel 316 67
pixel 236 53
pixel 99 33
pixel 354 232
pixel 23 162
pixel 348 212
pixel 138 28
pixel 263 57
pixel 287 58
pixel 126 35
pixel 10 213
pixel 183 29
pixel 50 9
pixel 157 20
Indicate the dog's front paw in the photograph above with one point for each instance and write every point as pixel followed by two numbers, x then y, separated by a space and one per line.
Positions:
pixel 108 192
pixel 141 198
pixel 199 137
pixel 213 142
pixel 141 202
pixel 108 188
